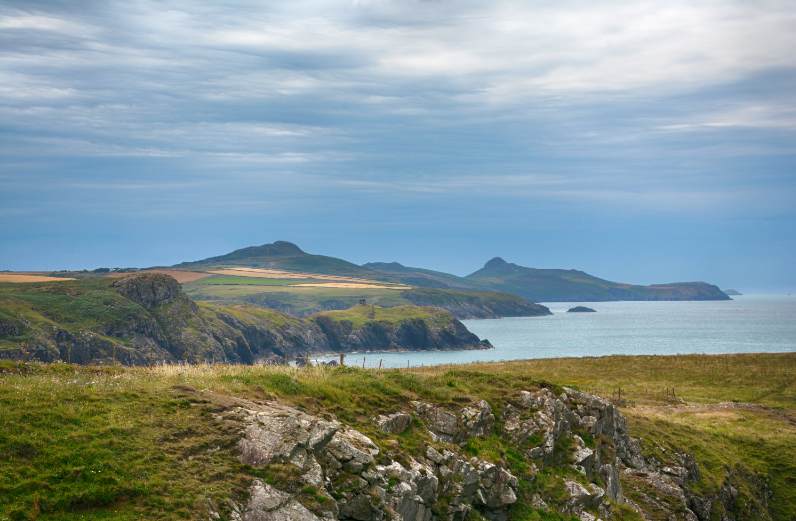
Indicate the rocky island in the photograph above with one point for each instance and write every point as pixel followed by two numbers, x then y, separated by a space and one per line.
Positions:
pixel 580 309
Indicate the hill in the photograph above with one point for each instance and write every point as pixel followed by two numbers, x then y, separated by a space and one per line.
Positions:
pixel 303 301
pixel 549 285
pixel 552 285
pixel 516 441
pixel 421 277
pixel 146 318
pixel 283 255
pixel 282 277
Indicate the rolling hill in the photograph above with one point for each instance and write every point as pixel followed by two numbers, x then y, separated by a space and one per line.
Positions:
pixel 551 285
pixel 282 277
pixel 283 255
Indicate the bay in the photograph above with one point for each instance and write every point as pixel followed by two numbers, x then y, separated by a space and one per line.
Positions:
pixel 747 324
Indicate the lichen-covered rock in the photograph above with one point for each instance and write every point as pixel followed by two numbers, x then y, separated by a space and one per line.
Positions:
pixel 396 423
pixel 280 433
pixel 442 484
pixel 477 421
pixel 266 503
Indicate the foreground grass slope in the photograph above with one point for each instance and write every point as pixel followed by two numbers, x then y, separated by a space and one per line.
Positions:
pixel 126 443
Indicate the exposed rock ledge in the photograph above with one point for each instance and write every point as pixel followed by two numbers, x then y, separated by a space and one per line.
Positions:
pixel 352 478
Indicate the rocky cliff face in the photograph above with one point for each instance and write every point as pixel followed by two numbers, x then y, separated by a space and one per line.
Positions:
pixel 162 324
pixel 582 462
pixel 415 334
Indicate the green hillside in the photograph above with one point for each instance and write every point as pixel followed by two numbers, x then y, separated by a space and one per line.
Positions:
pixel 304 301
pixel 282 255
pixel 421 277
pixel 145 318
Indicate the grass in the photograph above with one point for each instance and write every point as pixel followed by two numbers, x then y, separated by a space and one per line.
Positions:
pixel 359 316
pixel 233 280
pixel 74 305
pixel 307 300
pixel 130 443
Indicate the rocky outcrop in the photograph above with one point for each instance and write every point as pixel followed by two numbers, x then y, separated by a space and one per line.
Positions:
pixel 580 309
pixel 395 423
pixel 149 289
pixel 327 470
pixel 477 421
pixel 356 479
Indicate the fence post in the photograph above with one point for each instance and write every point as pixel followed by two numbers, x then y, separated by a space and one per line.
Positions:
pixel 380 360
pixel 342 357
pixel 69 353
pixel 151 348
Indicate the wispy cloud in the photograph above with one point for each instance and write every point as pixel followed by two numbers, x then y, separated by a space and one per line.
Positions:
pixel 645 108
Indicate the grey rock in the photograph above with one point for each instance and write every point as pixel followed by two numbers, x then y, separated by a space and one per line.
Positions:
pixel 269 504
pixel 477 421
pixel 395 423
pixel 538 504
pixel 413 509
pixel 274 436
pixel 433 455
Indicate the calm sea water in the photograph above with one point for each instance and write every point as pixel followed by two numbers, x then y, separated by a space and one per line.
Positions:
pixel 747 324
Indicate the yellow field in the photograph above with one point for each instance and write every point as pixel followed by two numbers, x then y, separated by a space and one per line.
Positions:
pixel 345 285
pixel 21 277
pixel 181 276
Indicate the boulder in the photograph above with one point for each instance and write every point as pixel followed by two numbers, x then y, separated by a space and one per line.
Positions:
pixel 444 426
pixel 396 423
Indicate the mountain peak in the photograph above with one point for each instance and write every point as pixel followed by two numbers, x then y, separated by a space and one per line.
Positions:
pixel 497 262
pixel 281 248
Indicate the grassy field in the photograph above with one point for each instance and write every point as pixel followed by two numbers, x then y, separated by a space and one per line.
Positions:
pixel 127 443
pixel 361 315
pixel 75 305
pixel 234 280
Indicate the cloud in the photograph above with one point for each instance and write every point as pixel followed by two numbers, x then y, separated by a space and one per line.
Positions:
pixel 645 107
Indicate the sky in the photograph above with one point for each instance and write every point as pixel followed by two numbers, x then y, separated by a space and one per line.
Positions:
pixel 640 141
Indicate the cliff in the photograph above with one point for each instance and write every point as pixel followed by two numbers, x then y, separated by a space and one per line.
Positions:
pixel 146 317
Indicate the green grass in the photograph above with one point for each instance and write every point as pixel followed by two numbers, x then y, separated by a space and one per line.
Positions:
pixel 124 443
pixel 359 316
pixel 234 280
pixel 72 305
pixel 307 300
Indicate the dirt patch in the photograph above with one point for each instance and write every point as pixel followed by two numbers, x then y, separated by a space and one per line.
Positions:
pixel 19 277
pixel 181 276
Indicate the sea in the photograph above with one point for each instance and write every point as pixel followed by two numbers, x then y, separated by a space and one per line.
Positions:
pixel 746 324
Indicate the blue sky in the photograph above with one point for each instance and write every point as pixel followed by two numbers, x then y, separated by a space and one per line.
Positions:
pixel 642 142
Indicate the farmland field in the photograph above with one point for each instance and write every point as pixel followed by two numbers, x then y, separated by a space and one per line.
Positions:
pixel 24 277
